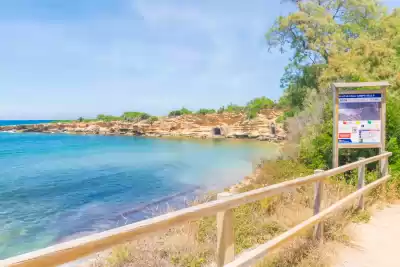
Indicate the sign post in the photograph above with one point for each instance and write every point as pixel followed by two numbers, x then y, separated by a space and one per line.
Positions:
pixel 359 117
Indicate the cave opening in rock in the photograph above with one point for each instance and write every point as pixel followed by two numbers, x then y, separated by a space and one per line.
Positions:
pixel 217 131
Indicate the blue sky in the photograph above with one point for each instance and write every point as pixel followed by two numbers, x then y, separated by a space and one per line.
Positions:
pixel 64 59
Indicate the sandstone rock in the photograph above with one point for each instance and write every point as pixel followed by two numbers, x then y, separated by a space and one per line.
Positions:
pixel 241 135
pixel 226 125
pixel 254 134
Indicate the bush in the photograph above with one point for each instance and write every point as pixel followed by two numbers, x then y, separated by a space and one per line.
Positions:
pixel 102 117
pixel 251 114
pixel 256 105
pixel 205 111
pixel 232 108
pixel 182 111
pixel 135 116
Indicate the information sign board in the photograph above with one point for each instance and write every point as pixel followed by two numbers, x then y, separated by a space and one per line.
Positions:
pixel 359 118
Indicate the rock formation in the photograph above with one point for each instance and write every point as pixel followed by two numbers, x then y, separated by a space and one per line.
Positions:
pixel 226 125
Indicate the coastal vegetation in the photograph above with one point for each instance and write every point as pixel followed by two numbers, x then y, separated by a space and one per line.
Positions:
pixel 204 111
pixel 135 116
pixel 252 108
pixel 336 41
pixel 180 112
pixel 102 117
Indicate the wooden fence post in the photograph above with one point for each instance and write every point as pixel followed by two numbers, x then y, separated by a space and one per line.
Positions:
pixel 225 234
pixel 318 199
pixel 361 183
pixel 383 171
pixel 384 163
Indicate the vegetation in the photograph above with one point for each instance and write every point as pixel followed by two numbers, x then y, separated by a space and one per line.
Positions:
pixel 182 111
pixel 232 108
pixel 204 111
pixel 336 41
pixel 153 119
pixel 61 121
pixel 251 109
pixel 135 116
pixel 256 105
pixel 107 118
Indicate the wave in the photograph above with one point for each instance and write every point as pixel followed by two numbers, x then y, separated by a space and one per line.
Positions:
pixel 91 225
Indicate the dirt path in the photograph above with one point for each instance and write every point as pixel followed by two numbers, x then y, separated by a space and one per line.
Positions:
pixel 375 243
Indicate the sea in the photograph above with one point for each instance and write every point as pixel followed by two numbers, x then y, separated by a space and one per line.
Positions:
pixel 56 187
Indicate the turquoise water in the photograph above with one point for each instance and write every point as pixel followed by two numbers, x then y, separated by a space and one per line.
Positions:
pixel 54 187
pixel 19 122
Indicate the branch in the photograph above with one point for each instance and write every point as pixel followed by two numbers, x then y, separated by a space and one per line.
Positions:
pixel 313 60
pixel 337 10
pixel 297 38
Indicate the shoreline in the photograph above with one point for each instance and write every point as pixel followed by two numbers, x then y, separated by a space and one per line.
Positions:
pixel 264 127
pixel 279 140
pixel 132 132
pixel 272 140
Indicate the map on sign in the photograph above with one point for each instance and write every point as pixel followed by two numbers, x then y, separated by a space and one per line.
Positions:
pixel 359 118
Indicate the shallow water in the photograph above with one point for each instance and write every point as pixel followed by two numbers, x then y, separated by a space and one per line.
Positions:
pixel 54 187
pixel 20 122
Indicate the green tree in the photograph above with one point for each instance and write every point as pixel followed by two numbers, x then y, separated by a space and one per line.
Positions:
pixel 336 40
pixel 153 119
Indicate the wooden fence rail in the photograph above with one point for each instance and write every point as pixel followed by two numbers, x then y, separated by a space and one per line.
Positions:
pixel 81 247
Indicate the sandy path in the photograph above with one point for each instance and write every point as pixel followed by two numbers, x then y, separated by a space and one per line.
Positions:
pixel 375 243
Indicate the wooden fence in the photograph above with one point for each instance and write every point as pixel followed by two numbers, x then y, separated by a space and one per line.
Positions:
pixel 222 207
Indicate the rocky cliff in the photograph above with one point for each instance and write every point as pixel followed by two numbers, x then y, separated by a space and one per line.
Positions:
pixel 226 125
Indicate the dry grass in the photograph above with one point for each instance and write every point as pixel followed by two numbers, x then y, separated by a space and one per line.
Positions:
pixel 194 244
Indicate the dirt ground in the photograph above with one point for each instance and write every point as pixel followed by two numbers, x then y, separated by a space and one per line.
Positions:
pixel 374 243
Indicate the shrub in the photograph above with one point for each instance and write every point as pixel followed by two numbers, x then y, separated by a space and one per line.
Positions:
pixel 256 105
pixel 232 108
pixel 135 116
pixel 180 112
pixel 102 117
pixel 205 111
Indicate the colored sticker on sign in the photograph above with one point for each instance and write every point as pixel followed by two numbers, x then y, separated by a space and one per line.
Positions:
pixel 344 135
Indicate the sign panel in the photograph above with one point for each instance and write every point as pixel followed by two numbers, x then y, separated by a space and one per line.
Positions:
pixel 359 118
